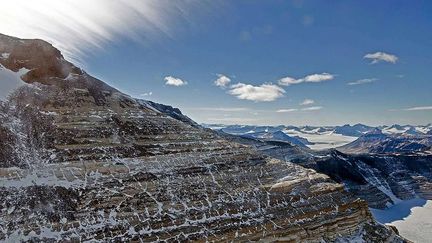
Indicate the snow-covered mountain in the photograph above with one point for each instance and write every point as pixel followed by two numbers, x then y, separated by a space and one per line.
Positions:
pixel 379 142
pixel 406 129
pixel 325 137
pixel 277 136
pixel 353 131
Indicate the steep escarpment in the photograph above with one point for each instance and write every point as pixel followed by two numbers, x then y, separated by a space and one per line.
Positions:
pixel 380 179
pixel 82 161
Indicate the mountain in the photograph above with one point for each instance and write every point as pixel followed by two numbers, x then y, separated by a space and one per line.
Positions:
pixel 168 110
pixel 311 136
pixel 381 180
pixel 405 138
pixel 378 142
pixel 353 131
pixel 277 136
pixel 81 161
pixel 244 129
pixel 406 129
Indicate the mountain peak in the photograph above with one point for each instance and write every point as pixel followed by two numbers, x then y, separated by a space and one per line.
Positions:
pixel 47 66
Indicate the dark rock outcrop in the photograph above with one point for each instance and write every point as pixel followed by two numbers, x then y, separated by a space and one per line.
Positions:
pixel 381 180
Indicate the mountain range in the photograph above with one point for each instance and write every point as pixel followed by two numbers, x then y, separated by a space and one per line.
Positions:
pixel 356 138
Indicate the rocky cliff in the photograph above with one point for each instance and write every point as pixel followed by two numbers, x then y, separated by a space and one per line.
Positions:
pixel 81 161
pixel 380 179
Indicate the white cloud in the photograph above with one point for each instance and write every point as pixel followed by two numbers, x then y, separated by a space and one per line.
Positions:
pixel 363 81
pixel 313 78
pixel 288 81
pixel 312 108
pixel 76 27
pixel 381 57
pixel 170 80
pixel 286 110
pixel 146 94
pixel 419 108
pixel 264 92
pixel 307 102
pixel 222 80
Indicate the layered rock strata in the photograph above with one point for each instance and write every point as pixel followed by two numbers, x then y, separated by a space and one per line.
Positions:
pixel 80 161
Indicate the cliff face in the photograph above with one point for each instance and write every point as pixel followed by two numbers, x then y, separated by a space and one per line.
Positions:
pixel 82 161
pixel 380 179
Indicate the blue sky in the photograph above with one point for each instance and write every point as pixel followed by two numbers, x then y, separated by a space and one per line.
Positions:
pixel 319 45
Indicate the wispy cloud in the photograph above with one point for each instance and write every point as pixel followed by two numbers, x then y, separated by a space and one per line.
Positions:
pixel 224 109
pixel 232 119
pixel 264 92
pixel 247 35
pixel 222 81
pixel 146 94
pixel 381 57
pixel 419 108
pixel 308 20
pixel 363 81
pixel 76 27
pixel 307 102
pixel 286 110
pixel 313 78
pixel 312 108
pixel 170 80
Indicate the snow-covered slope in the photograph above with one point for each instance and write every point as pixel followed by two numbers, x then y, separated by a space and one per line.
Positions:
pixel 378 142
pixel 10 80
pixel 323 139
pixel 277 136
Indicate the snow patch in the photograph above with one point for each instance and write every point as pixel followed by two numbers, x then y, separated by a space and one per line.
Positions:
pixel 411 217
pixel 10 81
pixel 5 55
pixel 34 179
pixel 324 140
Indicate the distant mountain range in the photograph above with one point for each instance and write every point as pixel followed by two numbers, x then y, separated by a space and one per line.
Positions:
pixel 356 138
pixel 378 142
